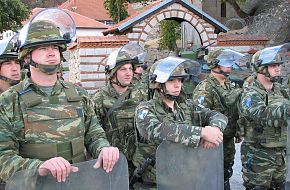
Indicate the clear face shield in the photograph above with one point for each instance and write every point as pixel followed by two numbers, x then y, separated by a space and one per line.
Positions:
pixel 50 26
pixel 8 48
pixel 274 55
pixel 8 52
pixel 130 53
pixel 173 67
pixel 227 58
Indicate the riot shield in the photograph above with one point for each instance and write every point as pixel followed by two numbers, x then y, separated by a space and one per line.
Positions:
pixel 182 167
pixel 87 178
pixel 288 157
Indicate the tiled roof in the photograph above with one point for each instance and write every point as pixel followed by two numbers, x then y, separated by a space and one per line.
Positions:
pixel 90 8
pixel 157 6
pixel 100 41
pixel 242 39
pixel 80 20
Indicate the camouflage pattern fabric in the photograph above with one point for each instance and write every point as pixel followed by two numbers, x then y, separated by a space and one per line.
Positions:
pixel 62 121
pixel 119 126
pixel 141 84
pixel 263 120
pixel 156 122
pixel 211 94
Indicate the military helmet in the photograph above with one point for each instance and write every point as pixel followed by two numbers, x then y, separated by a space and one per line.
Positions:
pixel 223 57
pixel 49 26
pixel 271 55
pixel 169 68
pixel 8 49
pixel 131 53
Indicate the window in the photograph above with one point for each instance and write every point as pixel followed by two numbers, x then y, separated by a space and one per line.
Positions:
pixel 223 9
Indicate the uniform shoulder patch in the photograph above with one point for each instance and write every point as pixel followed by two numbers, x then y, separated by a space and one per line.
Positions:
pixel 248 102
pixel 141 114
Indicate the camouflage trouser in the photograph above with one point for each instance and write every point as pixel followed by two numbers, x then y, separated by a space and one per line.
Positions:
pixel 2 184
pixel 262 166
pixel 229 157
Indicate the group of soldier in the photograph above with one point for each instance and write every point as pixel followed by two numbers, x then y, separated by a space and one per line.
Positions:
pixel 47 123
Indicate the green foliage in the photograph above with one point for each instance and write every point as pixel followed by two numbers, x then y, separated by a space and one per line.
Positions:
pixel 12 12
pixel 170 32
pixel 117 9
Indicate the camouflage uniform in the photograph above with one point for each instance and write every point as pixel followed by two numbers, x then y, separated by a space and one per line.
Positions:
pixel 35 126
pixel 263 117
pixel 157 122
pixel 119 124
pixel 221 98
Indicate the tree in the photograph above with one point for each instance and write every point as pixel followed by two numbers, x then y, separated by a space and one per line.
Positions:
pixel 170 32
pixel 117 9
pixel 12 12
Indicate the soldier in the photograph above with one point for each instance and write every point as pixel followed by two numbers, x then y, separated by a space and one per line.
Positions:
pixel 9 64
pixel 116 102
pixel 216 92
pixel 264 111
pixel 169 117
pixel 47 123
pixel 9 71
pixel 140 77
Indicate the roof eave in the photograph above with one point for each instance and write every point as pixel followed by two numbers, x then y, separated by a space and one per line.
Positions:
pixel 218 26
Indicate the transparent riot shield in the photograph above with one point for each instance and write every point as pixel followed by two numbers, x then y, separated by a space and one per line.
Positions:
pixel 87 178
pixel 288 157
pixel 182 167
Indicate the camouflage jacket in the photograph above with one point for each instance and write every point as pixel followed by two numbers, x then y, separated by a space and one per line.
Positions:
pixel 141 84
pixel 119 123
pixel 264 115
pixel 48 122
pixel 211 94
pixel 156 122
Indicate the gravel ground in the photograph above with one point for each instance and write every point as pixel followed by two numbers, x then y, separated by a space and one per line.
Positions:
pixel 236 180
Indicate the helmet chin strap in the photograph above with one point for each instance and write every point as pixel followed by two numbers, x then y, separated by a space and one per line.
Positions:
pixel 48 69
pixel 272 79
pixel 222 72
pixel 10 81
pixel 165 94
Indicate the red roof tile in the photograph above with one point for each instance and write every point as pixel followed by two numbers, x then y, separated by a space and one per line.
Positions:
pixel 80 20
pixel 90 8
pixel 99 41
pixel 241 39
pixel 102 39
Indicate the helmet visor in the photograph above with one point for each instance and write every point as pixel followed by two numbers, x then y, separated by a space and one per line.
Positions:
pixel 170 67
pixel 277 54
pixel 50 24
pixel 8 47
pixel 228 57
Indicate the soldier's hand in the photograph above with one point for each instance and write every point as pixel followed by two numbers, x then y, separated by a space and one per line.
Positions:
pixel 108 157
pixel 212 134
pixel 207 145
pixel 58 167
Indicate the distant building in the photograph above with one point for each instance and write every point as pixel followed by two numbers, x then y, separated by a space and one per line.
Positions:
pixel 93 9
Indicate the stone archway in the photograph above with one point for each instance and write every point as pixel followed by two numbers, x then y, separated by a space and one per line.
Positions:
pixel 141 31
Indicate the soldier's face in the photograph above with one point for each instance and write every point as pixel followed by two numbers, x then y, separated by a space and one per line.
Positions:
pixel 10 69
pixel 46 55
pixel 139 69
pixel 226 69
pixel 125 74
pixel 274 70
pixel 173 86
